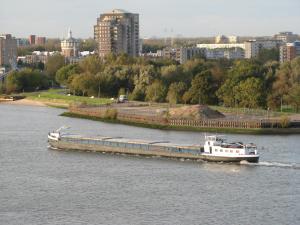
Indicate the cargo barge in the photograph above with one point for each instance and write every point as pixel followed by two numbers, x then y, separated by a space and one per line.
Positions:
pixel 215 148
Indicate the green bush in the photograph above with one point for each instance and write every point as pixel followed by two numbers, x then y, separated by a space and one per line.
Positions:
pixel 111 114
pixel 284 122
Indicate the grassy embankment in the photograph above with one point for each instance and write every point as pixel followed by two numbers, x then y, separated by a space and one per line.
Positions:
pixel 184 128
pixel 59 98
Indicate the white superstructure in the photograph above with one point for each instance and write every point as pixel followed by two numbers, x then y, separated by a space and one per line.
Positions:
pixel 217 146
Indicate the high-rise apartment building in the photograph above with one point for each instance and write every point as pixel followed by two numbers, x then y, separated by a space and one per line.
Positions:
pixel 40 40
pixel 117 32
pixel 8 50
pixel 31 39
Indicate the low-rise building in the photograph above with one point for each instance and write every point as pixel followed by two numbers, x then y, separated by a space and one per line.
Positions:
pixel 252 47
pixel 36 57
pixel 214 46
pixel 289 51
pixel 286 37
pixel 181 54
pixel 228 53
pixel 222 39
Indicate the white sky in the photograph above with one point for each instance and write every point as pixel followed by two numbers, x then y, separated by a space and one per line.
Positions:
pixel 188 18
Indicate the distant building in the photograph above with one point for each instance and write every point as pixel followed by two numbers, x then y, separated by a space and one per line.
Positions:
pixel 117 32
pixel 228 53
pixel 40 40
pixel 22 42
pixel 286 37
pixel 31 39
pixel 70 46
pixel 8 50
pixel 153 55
pixel 36 57
pixel 289 51
pixel 214 46
pixel 182 54
pixel 253 47
pixel 222 39
pixel 234 39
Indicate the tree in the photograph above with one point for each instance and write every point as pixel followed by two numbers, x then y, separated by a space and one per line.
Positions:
pixel 293 96
pixel 249 93
pixel 170 74
pixel 53 64
pixel 143 77
pixel 241 70
pixel 63 74
pixel 83 84
pixel 87 45
pixel 175 93
pixel 286 76
pixel 201 91
pixel 26 80
pixel 156 92
pixel 91 64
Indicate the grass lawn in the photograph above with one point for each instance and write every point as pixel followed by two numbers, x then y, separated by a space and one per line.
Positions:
pixel 60 96
pixel 254 112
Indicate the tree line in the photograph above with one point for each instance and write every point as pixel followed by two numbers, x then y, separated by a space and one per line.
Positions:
pixel 234 83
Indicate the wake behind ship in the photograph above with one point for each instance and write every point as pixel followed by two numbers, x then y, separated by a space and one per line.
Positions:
pixel 215 148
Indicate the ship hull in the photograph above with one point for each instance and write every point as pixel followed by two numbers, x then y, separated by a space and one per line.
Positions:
pixel 62 145
pixel 213 158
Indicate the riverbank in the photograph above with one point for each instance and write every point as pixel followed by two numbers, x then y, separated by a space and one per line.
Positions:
pixel 186 128
pixel 57 98
pixel 163 116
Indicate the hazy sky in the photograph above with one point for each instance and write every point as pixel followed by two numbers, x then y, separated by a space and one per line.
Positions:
pixel 189 18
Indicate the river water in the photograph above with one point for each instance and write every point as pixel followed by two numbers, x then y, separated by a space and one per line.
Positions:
pixel 41 186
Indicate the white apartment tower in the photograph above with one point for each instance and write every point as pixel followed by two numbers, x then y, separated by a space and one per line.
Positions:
pixel 117 32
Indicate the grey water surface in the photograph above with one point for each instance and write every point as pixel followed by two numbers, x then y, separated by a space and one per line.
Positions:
pixel 42 186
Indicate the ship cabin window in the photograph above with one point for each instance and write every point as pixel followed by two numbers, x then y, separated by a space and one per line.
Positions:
pixel 221 150
pixel 237 151
pixel 231 151
pixel 226 150
pixel 216 150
